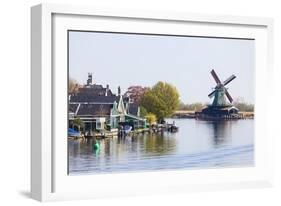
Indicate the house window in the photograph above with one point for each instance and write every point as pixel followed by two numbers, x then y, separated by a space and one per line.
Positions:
pixel 98 125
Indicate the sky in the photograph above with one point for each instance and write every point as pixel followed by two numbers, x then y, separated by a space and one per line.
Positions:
pixel 185 62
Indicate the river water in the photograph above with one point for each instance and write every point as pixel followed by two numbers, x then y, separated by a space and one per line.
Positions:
pixel 198 144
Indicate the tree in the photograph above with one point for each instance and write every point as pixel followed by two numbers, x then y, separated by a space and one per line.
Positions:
pixel 162 100
pixel 72 85
pixel 135 93
pixel 151 118
pixel 143 112
pixel 182 106
pixel 197 106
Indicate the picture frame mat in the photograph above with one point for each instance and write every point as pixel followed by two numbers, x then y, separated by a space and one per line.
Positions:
pixel 55 181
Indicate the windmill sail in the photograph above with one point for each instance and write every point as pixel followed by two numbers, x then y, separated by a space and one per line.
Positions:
pixel 229 79
pixel 212 94
pixel 215 77
pixel 228 96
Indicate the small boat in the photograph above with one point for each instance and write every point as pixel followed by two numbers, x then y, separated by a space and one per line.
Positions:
pixel 127 129
pixel 173 129
pixel 73 133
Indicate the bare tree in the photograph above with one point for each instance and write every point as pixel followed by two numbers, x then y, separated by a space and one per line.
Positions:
pixel 135 93
pixel 73 86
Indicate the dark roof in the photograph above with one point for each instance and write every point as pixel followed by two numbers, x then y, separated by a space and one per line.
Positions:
pixel 133 109
pixel 96 86
pixel 94 99
pixel 96 90
pixel 94 109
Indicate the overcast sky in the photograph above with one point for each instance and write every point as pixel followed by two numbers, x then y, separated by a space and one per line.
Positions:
pixel 185 62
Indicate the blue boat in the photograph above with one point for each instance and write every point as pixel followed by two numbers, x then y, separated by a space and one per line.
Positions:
pixel 127 129
pixel 73 133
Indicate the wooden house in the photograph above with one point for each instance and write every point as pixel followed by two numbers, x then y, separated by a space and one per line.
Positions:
pixel 100 109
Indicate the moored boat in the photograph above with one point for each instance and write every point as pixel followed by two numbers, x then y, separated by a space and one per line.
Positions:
pixel 73 133
pixel 127 129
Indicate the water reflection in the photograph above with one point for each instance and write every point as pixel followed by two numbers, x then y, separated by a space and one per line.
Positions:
pixel 197 144
pixel 157 144
pixel 221 132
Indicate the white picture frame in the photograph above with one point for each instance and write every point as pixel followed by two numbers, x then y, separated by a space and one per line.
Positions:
pixel 49 180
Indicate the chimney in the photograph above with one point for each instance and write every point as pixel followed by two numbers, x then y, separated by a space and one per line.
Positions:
pixel 119 91
pixel 106 90
pixel 90 79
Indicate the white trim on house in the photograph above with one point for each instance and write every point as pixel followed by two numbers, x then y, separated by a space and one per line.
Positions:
pixel 77 109
pixel 121 109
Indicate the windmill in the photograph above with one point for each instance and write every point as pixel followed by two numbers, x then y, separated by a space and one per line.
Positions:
pixel 220 91
pixel 220 108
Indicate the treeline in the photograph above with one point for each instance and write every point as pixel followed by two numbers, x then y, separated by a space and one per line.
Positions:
pixel 244 107
pixel 191 107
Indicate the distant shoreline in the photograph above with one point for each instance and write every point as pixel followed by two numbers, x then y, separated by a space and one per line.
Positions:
pixel 191 114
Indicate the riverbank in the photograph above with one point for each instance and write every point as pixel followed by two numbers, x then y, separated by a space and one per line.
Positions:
pixel 156 128
pixel 192 114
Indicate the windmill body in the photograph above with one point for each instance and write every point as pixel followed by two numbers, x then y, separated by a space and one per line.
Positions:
pixel 219 97
pixel 222 107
